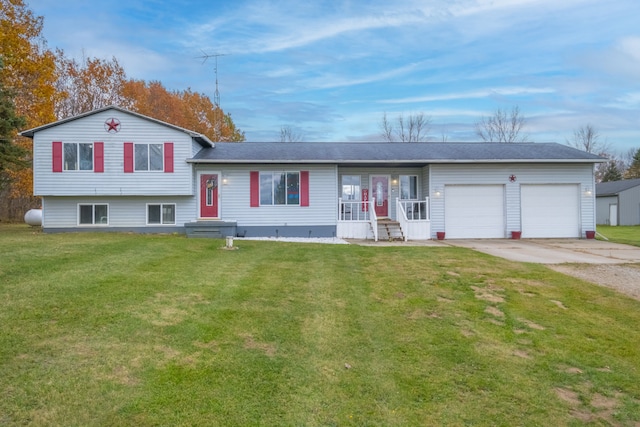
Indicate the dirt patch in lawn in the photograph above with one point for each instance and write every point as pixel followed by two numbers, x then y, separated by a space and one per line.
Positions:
pixel 624 278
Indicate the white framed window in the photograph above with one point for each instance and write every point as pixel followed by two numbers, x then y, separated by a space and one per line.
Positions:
pixel 351 187
pixel 93 214
pixel 78 156
pixel 279 188
pixel 161 214
pixel 149 157
pixel 409 187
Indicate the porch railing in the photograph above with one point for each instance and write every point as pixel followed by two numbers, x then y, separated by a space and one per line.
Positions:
pixel 373 218
pixel 353 210
pixel 413 210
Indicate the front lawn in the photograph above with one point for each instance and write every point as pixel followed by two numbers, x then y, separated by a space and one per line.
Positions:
pixel 629 234
pixel 130 330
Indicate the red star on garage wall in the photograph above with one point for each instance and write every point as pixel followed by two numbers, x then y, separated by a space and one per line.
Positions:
pixel 512 178
pixel 112 125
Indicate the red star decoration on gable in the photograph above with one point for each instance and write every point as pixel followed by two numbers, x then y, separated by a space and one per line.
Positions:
pixel 112 125
pixel 512 178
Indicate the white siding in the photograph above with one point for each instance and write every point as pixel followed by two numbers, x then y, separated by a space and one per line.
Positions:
pixel 62 212
pixel 394 183
pixel 113 181
pixel 579 174
pixel 235 197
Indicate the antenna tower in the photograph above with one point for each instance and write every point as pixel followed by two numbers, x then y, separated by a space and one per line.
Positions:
pixel 216 94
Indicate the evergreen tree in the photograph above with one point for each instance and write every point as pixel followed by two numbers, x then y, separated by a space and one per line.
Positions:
pixel 611 172
pixel 11 155
pixel 634 169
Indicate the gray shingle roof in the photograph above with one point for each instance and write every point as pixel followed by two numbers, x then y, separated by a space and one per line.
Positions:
pixel 391 153
pixel 198 137
pixel 615 187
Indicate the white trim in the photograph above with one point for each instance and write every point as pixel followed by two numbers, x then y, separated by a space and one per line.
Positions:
pixel 175 214
pixel 417 198
pixel 93 206
pixel 78 170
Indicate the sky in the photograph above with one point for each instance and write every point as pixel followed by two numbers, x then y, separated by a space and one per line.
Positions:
pixel 330 70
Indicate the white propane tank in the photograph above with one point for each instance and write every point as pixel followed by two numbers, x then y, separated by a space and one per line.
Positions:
pixel 33 217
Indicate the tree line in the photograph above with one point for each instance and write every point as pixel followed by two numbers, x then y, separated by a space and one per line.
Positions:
pixel 39 85
pixel 507 126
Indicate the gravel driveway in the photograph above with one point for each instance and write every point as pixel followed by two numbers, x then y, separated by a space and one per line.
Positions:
pixel 608 264
pixel 624 278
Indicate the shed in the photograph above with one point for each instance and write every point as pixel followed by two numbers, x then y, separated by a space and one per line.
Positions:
pixel 618 202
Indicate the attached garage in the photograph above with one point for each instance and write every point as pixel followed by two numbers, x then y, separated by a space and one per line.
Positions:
pixel 550 210
pixel 474 211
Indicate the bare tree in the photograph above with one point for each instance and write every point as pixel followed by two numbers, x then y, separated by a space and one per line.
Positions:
pixel 587 138
pixel 503 126
pixel 287 134
pixel 412 129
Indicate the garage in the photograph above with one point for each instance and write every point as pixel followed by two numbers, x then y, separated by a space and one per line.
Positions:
pixel 550 210
pixel 474 211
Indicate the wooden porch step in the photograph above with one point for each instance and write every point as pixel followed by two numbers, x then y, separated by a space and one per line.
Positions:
pixel 389 230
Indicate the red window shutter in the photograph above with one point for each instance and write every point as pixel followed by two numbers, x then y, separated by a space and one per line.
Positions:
pixel 304 188
pixel 255 189
pixel 168 156
pixel 56 150
pixel 98 157
pixel 128 157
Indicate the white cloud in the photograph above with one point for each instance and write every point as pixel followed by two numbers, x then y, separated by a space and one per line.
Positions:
pixel 484 93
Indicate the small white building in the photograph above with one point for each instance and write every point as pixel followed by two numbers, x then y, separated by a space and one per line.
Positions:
pixel 115 170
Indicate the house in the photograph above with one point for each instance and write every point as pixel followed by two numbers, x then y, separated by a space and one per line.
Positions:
pixel 618 202
pixel 115 170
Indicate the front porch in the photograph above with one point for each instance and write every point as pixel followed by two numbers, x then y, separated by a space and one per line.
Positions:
pixel 358 220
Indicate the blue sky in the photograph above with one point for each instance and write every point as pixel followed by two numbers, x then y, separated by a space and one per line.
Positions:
pixel 331 69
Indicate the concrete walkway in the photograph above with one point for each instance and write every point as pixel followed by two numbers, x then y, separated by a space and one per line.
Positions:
pixel 541 251
pixel 554 251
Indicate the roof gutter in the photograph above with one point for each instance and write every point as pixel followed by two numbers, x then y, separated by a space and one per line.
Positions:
pixel 413 161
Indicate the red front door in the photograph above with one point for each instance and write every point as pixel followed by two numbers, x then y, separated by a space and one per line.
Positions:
pixel 380 190
pixel 209 195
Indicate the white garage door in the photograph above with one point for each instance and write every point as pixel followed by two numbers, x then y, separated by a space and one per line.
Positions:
pixel 474 211
pixel 550 210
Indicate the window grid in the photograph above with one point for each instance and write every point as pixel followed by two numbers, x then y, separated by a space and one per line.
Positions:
pixel 148 157
pixel 279 188
pixel 78 156
pixel 161 214
pixel 93 214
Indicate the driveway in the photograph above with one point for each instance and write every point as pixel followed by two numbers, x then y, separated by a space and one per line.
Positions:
pixel 554 251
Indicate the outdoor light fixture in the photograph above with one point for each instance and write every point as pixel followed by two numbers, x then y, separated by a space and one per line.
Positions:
pixel 438 192
pixel 587 191
pixel 225 180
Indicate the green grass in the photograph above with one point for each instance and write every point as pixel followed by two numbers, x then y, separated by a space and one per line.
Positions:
pixel 130 330
pixel 629 234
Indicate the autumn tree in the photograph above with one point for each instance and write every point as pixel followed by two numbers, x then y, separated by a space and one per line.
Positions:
pixel 503 126
pixel 187 109
pixel 414 128
pixel 29 74
pixel 87 85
